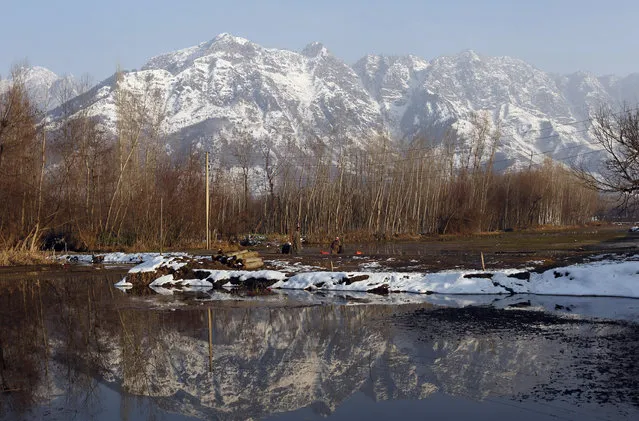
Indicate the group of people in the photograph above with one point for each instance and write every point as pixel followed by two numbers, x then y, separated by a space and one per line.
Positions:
pixel 294 246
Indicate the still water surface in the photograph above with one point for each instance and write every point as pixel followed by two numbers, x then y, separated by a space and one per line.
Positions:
pixel 74 347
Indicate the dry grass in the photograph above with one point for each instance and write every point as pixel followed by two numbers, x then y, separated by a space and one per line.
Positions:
pixel 13 257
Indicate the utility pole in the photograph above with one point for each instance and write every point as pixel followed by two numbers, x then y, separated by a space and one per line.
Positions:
pixel 208 234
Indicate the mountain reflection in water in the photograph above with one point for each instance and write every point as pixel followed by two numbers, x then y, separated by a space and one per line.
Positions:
pixel 75 347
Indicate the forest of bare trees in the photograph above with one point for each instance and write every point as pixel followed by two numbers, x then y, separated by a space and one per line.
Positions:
pixel 72 181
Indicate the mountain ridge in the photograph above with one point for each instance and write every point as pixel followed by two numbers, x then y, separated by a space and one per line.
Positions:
pixel 229 83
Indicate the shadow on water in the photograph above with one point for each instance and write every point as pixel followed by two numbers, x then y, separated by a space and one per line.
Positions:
pixel 78 348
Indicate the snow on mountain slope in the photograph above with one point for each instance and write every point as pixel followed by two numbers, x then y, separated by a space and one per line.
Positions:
pixel 46 89
pixel 526 101
pixel 535 110
pixel 232 84
pixel 624 90
pixel 229 84
pixel 394 82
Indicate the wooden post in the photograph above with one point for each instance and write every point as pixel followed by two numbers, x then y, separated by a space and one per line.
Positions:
pixel 208 234
pixel 483 266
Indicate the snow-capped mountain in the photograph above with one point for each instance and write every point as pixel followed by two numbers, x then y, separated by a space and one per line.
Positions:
pixel 46 89
pixel 230 84
pixel 211 91
pixel 539 113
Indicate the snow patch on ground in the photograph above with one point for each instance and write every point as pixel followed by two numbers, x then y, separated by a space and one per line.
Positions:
pixel 115 258
pixel 370 265
pixel 291 267
pixel 155 262
pixel 612 278
pixel 242 275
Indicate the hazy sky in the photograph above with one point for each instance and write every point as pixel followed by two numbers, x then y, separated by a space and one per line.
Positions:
pixel 73 36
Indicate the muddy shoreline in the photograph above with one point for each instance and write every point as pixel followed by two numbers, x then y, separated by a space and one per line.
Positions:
pixel 600 378
pixel 539 250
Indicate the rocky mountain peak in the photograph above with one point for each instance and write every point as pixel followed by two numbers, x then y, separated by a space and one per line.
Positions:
pixel 45 88
pixel 314 50
pixel 230 83
pixel 225 37
pixel 180 60
pixel 469 56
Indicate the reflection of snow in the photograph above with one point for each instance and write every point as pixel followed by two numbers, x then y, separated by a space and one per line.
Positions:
pixel 264 362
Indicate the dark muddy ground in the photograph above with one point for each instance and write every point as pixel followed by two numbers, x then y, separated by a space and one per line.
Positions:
pixel 500 250
pixel 587 361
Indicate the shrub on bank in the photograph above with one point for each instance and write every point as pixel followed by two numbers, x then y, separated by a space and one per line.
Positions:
pixel 13 257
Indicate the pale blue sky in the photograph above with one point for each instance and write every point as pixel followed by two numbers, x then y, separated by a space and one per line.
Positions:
pixel 73 36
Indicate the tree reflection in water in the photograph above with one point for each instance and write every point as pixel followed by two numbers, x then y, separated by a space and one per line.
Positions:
pixel 63 338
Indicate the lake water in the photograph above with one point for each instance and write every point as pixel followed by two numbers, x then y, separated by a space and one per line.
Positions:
pixel 74 347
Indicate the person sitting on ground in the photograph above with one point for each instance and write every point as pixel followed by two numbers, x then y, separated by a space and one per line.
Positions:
pixel 336 246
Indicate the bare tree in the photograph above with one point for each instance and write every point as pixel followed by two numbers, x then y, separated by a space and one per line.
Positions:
pixel 242 149
pixel 618 135
pixel 19 164
pixel 140 116
pixel 15 109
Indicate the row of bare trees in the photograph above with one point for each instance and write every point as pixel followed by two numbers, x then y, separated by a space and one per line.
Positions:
pixel 22 165
pixel 439 187
pixel 444 188
pixel 74 181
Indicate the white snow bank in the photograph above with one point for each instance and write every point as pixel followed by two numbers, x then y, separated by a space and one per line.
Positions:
pixel 449 282
pixel 116 257
pixel 169 280
pixel 603 278
pixel 289 267
pixel 270 275
pixel 242 275
pixel 153 263
pixel 162 280
pixel 615 279
pixel 211 276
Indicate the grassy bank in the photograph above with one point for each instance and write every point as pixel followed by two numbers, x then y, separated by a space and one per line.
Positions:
pixel 13 257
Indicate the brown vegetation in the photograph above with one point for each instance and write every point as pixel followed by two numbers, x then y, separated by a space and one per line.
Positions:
pixel 17 257
pixel 71 185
